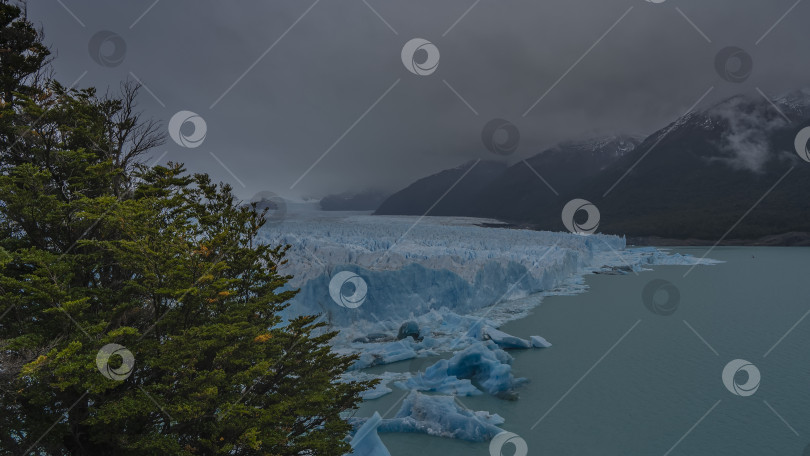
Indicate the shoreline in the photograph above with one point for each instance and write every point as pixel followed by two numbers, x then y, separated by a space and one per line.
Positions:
pixel 789 239
pixel 792 239
pixel 637 258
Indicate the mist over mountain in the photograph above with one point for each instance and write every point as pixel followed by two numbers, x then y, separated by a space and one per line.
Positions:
pixel 694 179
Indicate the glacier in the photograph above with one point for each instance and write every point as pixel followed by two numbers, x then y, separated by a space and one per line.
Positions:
pixel 454 280
pixel 446 274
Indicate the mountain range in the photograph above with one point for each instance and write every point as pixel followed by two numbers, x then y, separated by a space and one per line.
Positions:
pixel 730 171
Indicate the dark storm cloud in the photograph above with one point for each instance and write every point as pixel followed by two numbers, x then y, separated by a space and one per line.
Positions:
pixel 339 58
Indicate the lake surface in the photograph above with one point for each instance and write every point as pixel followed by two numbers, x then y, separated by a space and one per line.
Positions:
pixel 622 380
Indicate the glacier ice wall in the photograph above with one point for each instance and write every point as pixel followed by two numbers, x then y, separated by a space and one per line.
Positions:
pixel 412 265
pixel 439 271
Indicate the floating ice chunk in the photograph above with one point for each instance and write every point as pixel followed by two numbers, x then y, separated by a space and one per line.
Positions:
pixel 540 342
pixel 482 363
pixel 366 442
pixel 379 391
pixel 442 416
pixel 435 379
pixel 487 365
pixel 386 353
pixel 409 329
pixel 505 340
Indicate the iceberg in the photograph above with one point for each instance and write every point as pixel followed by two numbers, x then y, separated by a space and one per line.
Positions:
pixel 442 416
pixel 482 363
pixel 379 391
pixel 366 442
pixel 505 340
pixel 481 331
pixel 409 329
pixel 487 365
pixel 385 353
pixel 436 379
pixel 540 342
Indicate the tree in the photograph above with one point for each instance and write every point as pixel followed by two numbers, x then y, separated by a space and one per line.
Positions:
pixel 22 53
pixel 102 257
pixel 22 59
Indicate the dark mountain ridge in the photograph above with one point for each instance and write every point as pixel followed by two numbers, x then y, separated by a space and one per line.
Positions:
pixel 694 179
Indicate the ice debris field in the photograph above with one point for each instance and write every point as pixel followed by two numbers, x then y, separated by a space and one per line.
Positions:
pixel 411 287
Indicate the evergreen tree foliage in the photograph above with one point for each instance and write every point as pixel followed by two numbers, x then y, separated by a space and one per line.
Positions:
pixel 96 248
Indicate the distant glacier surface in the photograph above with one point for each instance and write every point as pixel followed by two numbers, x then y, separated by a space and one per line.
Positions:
pixel 414 265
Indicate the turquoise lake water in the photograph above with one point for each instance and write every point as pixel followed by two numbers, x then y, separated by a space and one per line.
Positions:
pixel 622 380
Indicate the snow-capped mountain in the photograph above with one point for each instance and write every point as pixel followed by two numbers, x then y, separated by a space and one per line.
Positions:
pixel 693 179
pixel 697 177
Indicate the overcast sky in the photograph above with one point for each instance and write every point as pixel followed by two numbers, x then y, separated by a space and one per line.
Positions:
pixel 279 83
